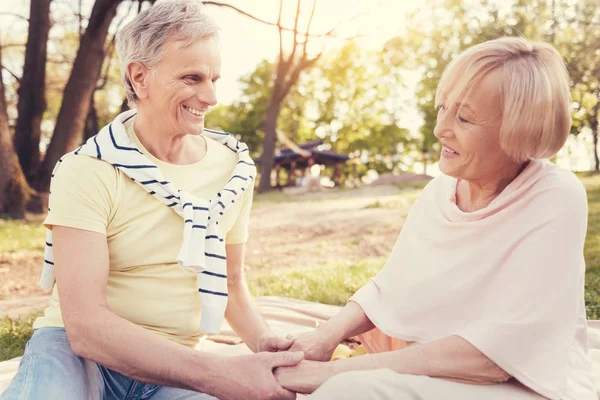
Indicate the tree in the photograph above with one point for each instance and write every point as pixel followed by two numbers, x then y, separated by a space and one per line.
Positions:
pixel 78 91
pixel 290 64
pixel 32 100
pixel 288 71
pixel 431 46
pixel 14 190
pixel 578 39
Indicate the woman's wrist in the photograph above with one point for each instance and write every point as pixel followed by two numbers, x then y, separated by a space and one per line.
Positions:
pixel 330 335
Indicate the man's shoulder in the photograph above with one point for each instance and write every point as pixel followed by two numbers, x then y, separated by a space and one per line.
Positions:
pixel 85 166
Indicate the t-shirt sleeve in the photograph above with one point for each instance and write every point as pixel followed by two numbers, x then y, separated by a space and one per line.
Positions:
pixel 82 194
pixel 239 231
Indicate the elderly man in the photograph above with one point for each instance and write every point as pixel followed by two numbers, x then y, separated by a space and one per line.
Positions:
pixel 147 224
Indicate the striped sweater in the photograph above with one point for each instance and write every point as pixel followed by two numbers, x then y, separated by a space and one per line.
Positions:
pixel 203 247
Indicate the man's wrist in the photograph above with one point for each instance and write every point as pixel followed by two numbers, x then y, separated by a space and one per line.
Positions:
pixel 215 369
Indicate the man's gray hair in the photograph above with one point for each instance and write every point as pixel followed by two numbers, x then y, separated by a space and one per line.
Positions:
pixel 142 40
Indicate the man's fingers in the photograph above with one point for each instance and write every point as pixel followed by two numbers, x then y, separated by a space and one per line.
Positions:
pixel 286 358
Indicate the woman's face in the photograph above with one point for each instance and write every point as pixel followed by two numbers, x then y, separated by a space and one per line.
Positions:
pixel 469 133
pixel 182 87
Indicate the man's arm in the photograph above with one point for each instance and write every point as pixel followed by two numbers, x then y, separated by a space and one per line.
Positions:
pixel 241 312
pixel 95 333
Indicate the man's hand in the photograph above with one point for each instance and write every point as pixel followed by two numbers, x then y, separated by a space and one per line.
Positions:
pixel 316 345
pixel 305 377
pixel 273 343
pixel 251 377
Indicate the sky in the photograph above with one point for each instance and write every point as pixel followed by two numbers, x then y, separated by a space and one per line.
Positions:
pixel 245 43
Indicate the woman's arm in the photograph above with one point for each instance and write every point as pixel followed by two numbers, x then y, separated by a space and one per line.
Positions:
pixel 319 344
pixel 451 358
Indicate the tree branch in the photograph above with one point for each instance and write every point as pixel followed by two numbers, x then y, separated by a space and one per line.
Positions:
pixel 10 72
pixel 290 59
pixel 262 21
pixel 6 46
pixel 15 15
pixel 280 30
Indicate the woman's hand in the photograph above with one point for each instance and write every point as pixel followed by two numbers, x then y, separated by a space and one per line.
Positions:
pixel 305 377
pixel 273 343
pixel 316 345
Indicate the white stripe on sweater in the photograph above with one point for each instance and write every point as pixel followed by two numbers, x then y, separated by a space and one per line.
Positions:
pixel 203 248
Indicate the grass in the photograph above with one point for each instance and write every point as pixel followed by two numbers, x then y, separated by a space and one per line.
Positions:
pixel 592 247
pixel 328 284
pixel 13 336
pixel 18 236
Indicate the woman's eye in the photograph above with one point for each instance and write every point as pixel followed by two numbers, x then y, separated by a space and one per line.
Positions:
pixel 463 120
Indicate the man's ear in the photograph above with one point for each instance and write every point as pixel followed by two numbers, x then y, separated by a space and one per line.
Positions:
pixel 138 75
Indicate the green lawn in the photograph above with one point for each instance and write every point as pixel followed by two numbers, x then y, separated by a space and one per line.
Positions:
pixel 18 236
pixel 331 284
pixel 592 246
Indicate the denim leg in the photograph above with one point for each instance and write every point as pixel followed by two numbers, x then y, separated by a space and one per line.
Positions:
pixel 171 393
pixel 50 370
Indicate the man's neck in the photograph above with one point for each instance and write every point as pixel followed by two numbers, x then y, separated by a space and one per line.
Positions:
pixel 172 148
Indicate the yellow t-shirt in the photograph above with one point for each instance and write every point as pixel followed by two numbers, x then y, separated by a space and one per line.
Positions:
pixel 145 284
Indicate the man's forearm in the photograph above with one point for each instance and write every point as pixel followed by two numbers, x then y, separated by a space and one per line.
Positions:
pixel 120 345
pixel 243 316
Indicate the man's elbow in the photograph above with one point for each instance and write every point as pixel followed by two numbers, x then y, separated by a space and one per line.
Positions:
pixel 80 332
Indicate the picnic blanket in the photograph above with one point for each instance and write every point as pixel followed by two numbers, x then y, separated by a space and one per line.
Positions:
pixel 285 315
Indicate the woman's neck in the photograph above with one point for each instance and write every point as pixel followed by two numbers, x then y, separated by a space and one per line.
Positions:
pixel 476 195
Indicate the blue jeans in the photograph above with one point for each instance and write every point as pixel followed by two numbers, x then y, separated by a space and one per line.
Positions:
pixel 50 370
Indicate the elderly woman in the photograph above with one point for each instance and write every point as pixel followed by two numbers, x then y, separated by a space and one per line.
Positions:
pixel 147 223
pixel 482 295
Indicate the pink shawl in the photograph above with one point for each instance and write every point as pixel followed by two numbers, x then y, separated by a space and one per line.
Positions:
pixel 508 278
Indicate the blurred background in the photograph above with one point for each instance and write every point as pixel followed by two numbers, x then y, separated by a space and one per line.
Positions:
pixel 335 99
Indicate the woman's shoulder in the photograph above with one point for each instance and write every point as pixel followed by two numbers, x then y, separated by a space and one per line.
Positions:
pixel 557 182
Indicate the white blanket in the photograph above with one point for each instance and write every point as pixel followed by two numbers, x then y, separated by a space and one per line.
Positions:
pixel 285 315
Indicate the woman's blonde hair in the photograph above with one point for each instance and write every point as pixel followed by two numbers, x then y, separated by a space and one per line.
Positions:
pixel 142 40
pixel 535 97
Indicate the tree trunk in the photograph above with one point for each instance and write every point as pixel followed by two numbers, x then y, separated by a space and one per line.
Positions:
pixel 14 190
pixel 32 99
pixel 269 127
pixel 91 122
pixel 594 128
pixel 595 139
pixel 82 83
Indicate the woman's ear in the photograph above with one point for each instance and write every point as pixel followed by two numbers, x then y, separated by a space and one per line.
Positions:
pixel 138 75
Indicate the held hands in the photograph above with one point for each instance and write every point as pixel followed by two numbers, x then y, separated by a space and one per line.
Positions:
pixel 272 343
pixel 251 377
pixel 316 345
pixel 304 377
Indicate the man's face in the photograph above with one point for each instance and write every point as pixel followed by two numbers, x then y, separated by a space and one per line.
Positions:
pixel 181 87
